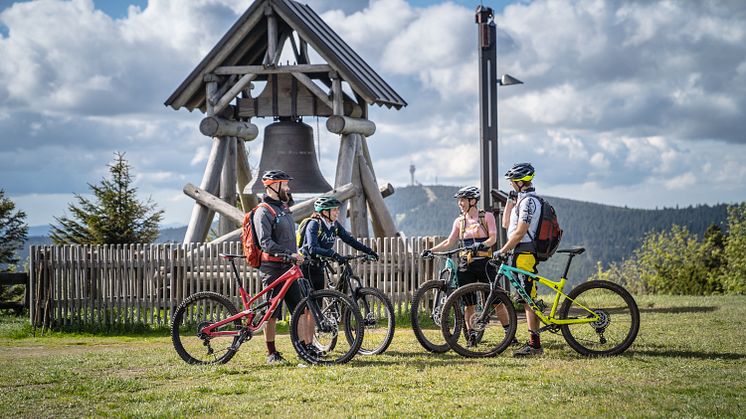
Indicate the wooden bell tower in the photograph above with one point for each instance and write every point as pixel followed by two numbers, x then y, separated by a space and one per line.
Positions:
pixel 220 87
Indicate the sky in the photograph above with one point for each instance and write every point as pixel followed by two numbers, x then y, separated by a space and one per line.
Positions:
pixel 633 103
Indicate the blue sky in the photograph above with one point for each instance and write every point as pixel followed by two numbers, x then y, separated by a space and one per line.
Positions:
pixel 625 103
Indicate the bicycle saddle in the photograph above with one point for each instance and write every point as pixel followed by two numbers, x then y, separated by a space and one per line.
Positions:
pixel 572 250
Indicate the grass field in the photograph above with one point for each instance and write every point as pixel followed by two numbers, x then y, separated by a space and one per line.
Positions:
pixel 689 360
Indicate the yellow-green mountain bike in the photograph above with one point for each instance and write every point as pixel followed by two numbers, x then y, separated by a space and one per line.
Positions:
pixel 596 318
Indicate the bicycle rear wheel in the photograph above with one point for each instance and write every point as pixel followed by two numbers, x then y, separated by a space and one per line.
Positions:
pixel 425 312
pixel 336 313
pixel 194 313
pixel 487 337
pixel 619 319
pixel 377 313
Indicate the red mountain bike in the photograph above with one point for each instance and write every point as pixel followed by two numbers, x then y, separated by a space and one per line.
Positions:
pixel 208 329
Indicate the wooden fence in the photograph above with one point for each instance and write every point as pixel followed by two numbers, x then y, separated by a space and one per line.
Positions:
pixel 144 283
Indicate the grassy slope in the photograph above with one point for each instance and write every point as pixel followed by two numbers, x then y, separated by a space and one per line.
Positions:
pixel 688 360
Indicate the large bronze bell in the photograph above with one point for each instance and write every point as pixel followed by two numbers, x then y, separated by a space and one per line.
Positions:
pixel 288 146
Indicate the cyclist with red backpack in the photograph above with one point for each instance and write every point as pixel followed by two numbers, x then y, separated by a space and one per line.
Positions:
pixel 476 230
pixel 521 219
pixel 275 233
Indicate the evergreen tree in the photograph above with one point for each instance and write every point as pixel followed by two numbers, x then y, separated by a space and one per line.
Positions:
pixel 13 231
pixel 114 216
pixel 734 274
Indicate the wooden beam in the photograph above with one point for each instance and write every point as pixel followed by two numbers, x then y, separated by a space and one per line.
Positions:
pixel 233 92
pixel 378 208
pixel 213 126
pixel 340 124
pixel 214 203
pixel 228 185
pixel 210 89
pixel 358 208
pixel 201 217
pixel 271 35
pixel 337 99
pixel 314 88
pixel 345 166
pixel 259 69
pixel 243 177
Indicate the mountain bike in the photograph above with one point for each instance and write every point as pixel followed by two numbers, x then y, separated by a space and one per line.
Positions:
pixel 596 318
pixel 374 306
pixel 427 304
pixel 208 329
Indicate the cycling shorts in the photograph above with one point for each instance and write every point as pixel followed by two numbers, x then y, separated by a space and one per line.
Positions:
pixel 527 262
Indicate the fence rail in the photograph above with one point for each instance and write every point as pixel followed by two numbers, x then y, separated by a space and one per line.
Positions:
pixel 144 283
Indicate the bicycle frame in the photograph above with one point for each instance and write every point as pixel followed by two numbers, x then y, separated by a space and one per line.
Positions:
pixel 556 286
pixel 285 280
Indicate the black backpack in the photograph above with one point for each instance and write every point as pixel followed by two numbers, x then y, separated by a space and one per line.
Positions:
pixel 548 233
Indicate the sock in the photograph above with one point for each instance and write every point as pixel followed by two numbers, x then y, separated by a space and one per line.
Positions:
pixel 271 347
pixel 534 341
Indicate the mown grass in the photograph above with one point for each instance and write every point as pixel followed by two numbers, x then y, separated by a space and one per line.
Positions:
pixel 688 360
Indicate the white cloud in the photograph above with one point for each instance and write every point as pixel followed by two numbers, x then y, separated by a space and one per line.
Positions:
pixel 621 103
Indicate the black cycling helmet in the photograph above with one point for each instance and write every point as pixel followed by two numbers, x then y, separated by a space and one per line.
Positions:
pixel 520 171
pixel 273 176
pixel 469 192
pixel 325 203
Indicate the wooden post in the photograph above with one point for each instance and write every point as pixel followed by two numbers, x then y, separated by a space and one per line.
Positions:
pixel 345 167
pixel 378 208
pixel 248 200
pixel 228 185
pixel 271 35
pixel 358 208
pixel 201 218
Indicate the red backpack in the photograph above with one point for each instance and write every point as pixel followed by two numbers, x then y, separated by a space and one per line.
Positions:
pixel 249 241
pixel 548 233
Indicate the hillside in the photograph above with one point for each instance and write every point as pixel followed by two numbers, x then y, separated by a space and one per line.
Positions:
pixel 608 233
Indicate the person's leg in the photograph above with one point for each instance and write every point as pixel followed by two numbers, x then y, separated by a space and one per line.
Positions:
pixel 527 262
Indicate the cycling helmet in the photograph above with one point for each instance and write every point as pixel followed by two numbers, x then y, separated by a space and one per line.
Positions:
pixel 325 203
pixel 520 171
pixel 469 192
pixel 274 176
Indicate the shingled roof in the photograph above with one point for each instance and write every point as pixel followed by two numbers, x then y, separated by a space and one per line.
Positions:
pixel 246 44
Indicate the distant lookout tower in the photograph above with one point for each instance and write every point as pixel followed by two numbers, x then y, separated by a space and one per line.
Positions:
pixel 411 173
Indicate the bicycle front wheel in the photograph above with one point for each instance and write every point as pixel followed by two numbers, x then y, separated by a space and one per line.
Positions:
pixel 193 314
pixel 377 313
pixel 618 323
pixel 334 313
pixel 489 321
pixel 425 312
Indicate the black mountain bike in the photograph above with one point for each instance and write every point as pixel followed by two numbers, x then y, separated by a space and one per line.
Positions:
pixel 375 307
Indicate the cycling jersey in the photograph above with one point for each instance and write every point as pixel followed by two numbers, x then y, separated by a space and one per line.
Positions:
pixel 320 238
pixel 528 210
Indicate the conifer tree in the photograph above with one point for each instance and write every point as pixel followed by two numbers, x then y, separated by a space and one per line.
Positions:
pixel 13 231
pixel 114 216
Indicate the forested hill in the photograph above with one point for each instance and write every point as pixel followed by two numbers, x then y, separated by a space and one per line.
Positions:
pixel 608 233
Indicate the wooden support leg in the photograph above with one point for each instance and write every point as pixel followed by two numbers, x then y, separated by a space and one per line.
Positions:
pixel 201 218
pixel 358 206
pixel 345 165
pixel 248 200
pixel 228 185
